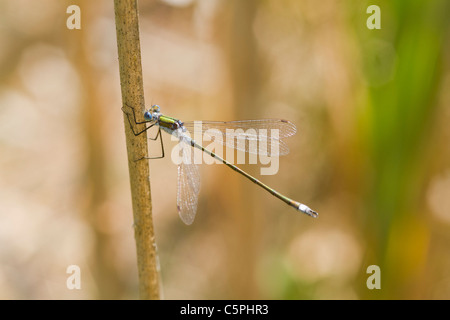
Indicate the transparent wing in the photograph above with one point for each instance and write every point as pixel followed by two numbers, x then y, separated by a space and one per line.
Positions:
pixel 285 127
pixel 188 184
pixel 263 137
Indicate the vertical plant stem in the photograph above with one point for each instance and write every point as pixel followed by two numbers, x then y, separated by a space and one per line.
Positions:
pixel 127 27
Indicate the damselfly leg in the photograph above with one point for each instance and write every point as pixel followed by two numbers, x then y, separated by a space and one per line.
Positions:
pixel 153 123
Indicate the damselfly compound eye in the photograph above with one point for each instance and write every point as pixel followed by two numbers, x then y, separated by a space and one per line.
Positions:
pixel 148 116
pixel 155 108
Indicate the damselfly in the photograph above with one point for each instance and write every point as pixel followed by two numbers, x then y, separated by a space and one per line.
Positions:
pixel 188 173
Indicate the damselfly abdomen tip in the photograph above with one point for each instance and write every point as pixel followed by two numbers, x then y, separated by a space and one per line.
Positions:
pixel 307 210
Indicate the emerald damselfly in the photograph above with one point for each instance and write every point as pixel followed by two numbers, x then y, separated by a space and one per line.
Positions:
pixel 188 172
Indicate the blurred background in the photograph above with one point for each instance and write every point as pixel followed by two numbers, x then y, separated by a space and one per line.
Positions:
pixel 371 154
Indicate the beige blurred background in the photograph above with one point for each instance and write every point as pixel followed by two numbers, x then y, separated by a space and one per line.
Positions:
pixel 371 153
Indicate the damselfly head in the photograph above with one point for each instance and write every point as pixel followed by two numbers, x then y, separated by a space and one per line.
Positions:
pixel 152 113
